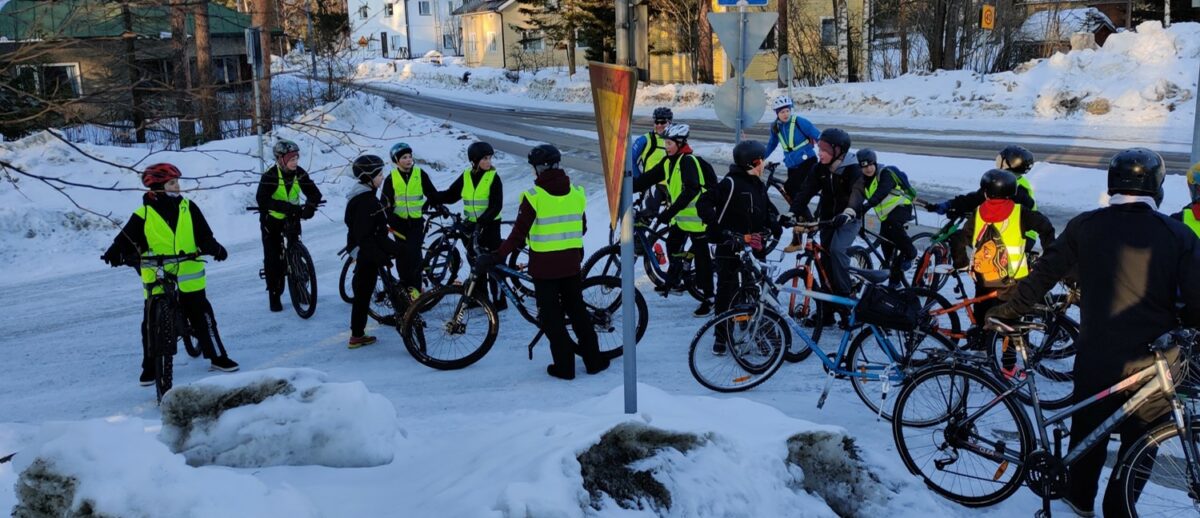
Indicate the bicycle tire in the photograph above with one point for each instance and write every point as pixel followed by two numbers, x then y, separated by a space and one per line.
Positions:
pixel 440 263
pixel 1062 377
pixel 346 281
pixel 727 373
pixel 1133 472
pixel 947 321
pixel 302 280
pixel 906 364
pixel 519 262
pixel 421 317
pixel 191 345
pixel 923 276
pixel 163 338
pixel 860 257
pixel 808 313
pixel 607 258
pixel 606 316
pixel 963 384
pixel 381 307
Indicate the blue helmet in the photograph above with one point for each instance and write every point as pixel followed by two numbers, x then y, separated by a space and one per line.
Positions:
pixel 400 149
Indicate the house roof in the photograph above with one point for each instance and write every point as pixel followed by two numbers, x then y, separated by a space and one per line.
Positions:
pixel 28 20
pixel 482 6
pixel 1051 25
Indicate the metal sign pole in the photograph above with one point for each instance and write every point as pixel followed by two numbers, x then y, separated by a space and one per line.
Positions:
pixel 742 51
pixel 629 323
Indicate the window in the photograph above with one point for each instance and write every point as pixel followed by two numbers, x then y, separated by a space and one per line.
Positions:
pixel 448 41
pixel 423 8
pixel 363 12
pixel 491 40
pixel 580 43
pixel 769 43
pixel 52 81
pixel 828 32
pixel 388 10
pixel 399 42
pixel 532 41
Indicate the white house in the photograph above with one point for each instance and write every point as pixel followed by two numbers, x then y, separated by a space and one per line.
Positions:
pixel 411 27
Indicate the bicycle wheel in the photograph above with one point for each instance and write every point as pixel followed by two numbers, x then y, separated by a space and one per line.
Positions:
pixel 602 295
pixel 606 261
pixel 449 329
pixel 944 324
pixel 1155 477
pixel 860 257
pixel 956 456
pixel 440 264
pixel 867 355
pixel 163 335
pixel 755 341
pixel 806 311
pixel 346 281
pixel 933 268
pixel 519 262
pixel 302 280
pixel 1055 371
pixel 381 309
pixel 190 344
pixel 921 240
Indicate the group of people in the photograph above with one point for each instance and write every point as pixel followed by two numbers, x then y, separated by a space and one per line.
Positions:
pixel 1134 265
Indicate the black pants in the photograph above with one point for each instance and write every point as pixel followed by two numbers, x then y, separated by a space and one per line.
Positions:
pixel 273 262
pixel 366 274
pixel 489 239
pixel 703 277
pixel 202 323
pixel 410 259
pixel 557 298
pixel 898 246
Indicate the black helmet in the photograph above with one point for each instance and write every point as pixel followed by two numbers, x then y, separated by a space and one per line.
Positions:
pixel 999 184
pixel 367 167
pixel 1136 171
pixel 866 157
pixel 544 154
pixel 839 139
pixel 1016 159
pixel 476 151
pixel 664 114
pixel 747 152
pixel 284 146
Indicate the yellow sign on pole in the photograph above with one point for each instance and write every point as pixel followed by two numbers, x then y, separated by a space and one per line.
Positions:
pixel 613 91
pixel 987 17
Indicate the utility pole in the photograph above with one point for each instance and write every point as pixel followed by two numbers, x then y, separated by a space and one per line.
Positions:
pixel 626 55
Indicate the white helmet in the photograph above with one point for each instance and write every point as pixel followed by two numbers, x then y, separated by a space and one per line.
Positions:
pixel 781 102
pixel 678 132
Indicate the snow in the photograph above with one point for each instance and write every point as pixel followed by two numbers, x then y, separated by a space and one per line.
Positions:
pixel 306 420
pixel 1059 24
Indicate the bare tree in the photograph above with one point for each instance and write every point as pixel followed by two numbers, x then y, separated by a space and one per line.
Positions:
pixel 704 47
pixel 209 120
pixel 187 128
pixel 263 17
pixel 865 41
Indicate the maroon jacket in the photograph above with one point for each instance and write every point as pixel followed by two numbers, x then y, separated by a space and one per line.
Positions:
pixel 544 265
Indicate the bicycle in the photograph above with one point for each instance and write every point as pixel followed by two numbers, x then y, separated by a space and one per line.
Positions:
pixel 967 436
pixel 437 269
pixel 866 257
pixel 451 311
pixel 756 335
pixel 299 270
pixel 934 262
pixel 651 245
pixel 164 323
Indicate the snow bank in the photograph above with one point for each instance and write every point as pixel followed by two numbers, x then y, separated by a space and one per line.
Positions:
pixel 97 468
pixel 279 417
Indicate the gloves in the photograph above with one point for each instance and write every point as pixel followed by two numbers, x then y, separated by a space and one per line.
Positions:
pixel 754 240
pixel 940 208
pixel 308 211
pixel 442 211
pixel 842 219
pixel 220 254
pixel 485 262
pixel 1003 312
pixel 114 258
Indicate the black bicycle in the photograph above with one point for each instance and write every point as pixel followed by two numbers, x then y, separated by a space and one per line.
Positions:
pixel 164 323
pixel 299 270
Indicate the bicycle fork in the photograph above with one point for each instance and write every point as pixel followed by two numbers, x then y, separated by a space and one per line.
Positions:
pixel 1183 424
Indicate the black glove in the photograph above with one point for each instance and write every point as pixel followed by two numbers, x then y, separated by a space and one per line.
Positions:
pixel 220 254
pixel 485 262
pixel 841 220
pixel 114 258
pixel 308 211
pixel 443 211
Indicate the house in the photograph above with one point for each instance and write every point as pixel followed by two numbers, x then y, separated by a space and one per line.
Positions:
pixel 496 34
pixel 406 28
pixel 1049 30
pixel 87 52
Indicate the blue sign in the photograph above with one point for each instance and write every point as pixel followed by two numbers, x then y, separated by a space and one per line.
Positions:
pixel 748 2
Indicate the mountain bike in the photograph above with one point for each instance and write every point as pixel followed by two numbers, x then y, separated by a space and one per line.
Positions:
pixel 437 269
pixel 299 270
pixel 651 245
pixel 164 322
pixel 970 438
pixel 453 327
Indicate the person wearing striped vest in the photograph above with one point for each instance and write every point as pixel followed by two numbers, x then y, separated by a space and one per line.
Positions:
pixel 280 191
pixel 884 191
pixel 687 176
pixel 406 192
pixel 482 194
pixel 998 232
pixel 648 151
pixel 1190 214
pixel 551 222
pixel 169 224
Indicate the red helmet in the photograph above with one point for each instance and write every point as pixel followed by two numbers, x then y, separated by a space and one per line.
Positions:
pixel 159 174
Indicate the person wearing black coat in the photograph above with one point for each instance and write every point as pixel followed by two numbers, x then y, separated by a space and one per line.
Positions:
pixel 410 226
pixel 894 209
pixel 1135 266
pixel 738 205
pixel 841 190
pixel 367 237
pixel 481 154
pixel 276 205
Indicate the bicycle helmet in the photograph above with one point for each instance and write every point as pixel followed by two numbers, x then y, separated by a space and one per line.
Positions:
pixel 999 184
pixel 781 102
pixel 837 139
pixel 400 149
pixel 1015 158
pixel 1193 181
pixel 478 150
pixel 544 155
pixel 1136 171
pixel 159 174
pixel 284 146
pixel 748 153
pixel 866 157
pixel 664 113
pixel 678 132
pixel 367 167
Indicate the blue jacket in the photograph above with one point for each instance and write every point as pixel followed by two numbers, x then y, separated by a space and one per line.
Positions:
pixel 801 131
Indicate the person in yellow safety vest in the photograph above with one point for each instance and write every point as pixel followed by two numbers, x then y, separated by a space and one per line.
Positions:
pixel 1190 214
pixel 997 233
pixel 687 177
pixel 482 193
pixel 280 190
pixel 169 224
pixel 1014 159
pixel 552 220
pixel 407 192
pixel 649 150
pixel 885 194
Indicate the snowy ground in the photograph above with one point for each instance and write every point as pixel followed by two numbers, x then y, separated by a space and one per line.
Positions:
pixel 493 439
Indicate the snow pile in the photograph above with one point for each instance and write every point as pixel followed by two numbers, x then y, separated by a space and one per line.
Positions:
pixel 279 417
pixel 97 468
pixel 1059 25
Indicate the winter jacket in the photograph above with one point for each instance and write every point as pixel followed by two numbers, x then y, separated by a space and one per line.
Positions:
pixel 739 203
pixel 270 181
pixel 366 227
pixel 839 190
pixel 804 135
pixel 495 195
pixel 131 241
pixel 1030 220
pixel 887 183
pixel 690 179
pixel 967 203
pixel 1134 266
pixel 544 265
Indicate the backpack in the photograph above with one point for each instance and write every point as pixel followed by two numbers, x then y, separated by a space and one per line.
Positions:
pixel 902 182
pixel 706 169
pixel 991 259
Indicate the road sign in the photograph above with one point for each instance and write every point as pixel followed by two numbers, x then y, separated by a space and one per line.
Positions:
pixel 727 25
pixel 737 2
pixel 613 90
pixel 785 69
pixel 754 103
pixel 987 17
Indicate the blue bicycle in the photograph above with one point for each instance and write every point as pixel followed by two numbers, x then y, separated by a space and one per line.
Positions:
pixel 744 346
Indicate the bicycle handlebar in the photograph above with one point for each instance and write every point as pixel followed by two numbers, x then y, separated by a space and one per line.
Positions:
pixel 161 260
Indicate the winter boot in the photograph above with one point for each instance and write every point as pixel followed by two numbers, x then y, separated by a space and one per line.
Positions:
pixel 359 341
pixel 147 377
pixel 276 303
pixel 223 364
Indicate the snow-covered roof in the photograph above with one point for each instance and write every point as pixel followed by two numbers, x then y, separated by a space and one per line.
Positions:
pixel 1052 25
